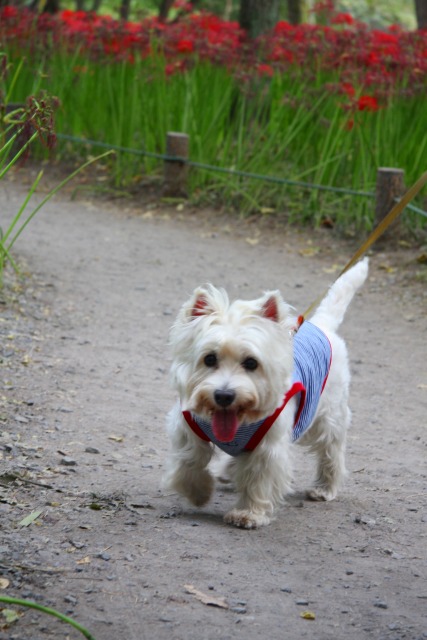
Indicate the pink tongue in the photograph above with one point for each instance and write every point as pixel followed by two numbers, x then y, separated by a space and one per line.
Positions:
pixel 224 425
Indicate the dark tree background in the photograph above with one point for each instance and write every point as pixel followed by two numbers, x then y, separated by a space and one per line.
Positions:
pixel 256 16
pixel 421 13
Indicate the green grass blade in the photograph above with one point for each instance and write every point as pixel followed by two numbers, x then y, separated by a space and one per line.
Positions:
pixel 48 610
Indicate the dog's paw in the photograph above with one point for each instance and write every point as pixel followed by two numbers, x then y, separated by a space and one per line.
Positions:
pixel 321 494
pixel 246 519
pixel 201 493
pixel 196 487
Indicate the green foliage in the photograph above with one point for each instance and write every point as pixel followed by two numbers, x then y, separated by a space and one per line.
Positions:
pixel 285 109
pixel 294 129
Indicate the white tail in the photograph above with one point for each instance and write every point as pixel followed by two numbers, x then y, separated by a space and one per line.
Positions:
pixel 331 310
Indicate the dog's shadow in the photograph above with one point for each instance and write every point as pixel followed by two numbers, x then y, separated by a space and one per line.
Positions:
pixel 213 513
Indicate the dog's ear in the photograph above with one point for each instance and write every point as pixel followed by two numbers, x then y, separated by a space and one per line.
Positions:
pixel 206 301
pixel 200 306
pixel 272 307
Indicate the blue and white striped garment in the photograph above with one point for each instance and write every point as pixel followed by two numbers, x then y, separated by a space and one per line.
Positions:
pixel 312 360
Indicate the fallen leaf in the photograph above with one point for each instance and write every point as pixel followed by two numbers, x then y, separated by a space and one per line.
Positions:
pixel 252 241
pixel 4 583
pixel 422 259
pixel 116 438
pixel 206 599
pixel 95 506
pixel 266 210
pixel 10 615
pixel 29 519
pixel 309 251
pixel 85 560
pixel 421 386
pixel 387 268
pixel 308 615
pixel 332 269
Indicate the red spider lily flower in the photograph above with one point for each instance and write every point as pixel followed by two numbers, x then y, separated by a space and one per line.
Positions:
pixel 265 70
pixel 343 18
pixel 367 103
pixel 9 12
pixel 185 46
pixel 348 89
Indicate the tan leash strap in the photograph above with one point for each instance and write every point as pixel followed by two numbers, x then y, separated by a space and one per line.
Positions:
pixel 376 233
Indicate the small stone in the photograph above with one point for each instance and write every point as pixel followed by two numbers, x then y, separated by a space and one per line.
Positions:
pixel 77 545
pixel 103 556
pixel 286 589
pixel 302 602
pixel 238 609
pixel 363 519
pixel 68 462
pixel 380 604
pixel 70 599
pixel 91 450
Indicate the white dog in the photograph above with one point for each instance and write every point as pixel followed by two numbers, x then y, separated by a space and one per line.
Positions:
pixel 250 385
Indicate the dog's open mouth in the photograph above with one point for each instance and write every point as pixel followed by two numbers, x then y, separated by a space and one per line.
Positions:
pixel 225 424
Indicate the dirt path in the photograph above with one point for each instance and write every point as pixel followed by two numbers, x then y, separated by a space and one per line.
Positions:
pixel 84 395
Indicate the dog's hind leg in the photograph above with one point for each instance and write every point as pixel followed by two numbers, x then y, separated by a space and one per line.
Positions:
pixel 328 443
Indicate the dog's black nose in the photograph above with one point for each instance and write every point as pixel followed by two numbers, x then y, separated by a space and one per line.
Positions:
pixel 224 397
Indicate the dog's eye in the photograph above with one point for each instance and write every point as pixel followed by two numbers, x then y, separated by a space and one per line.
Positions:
pixel 250 364
pixel 210 360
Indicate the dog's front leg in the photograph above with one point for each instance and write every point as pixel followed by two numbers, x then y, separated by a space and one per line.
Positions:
pixel 186 470
pixel 262 479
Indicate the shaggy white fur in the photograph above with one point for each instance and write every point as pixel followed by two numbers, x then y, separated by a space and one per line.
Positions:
pixel 232 365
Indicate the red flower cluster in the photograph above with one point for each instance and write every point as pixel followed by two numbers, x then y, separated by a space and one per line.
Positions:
pixel 202 35
pixel 378 63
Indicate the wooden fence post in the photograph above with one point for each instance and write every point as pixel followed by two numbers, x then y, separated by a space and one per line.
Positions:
pixel 175 172
pixel 390 185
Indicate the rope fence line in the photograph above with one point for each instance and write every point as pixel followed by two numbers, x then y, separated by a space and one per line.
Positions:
pixel 176 165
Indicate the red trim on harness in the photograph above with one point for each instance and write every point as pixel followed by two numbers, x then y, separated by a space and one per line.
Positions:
pixel 194 426
pixel 297 387
pixel 329 368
